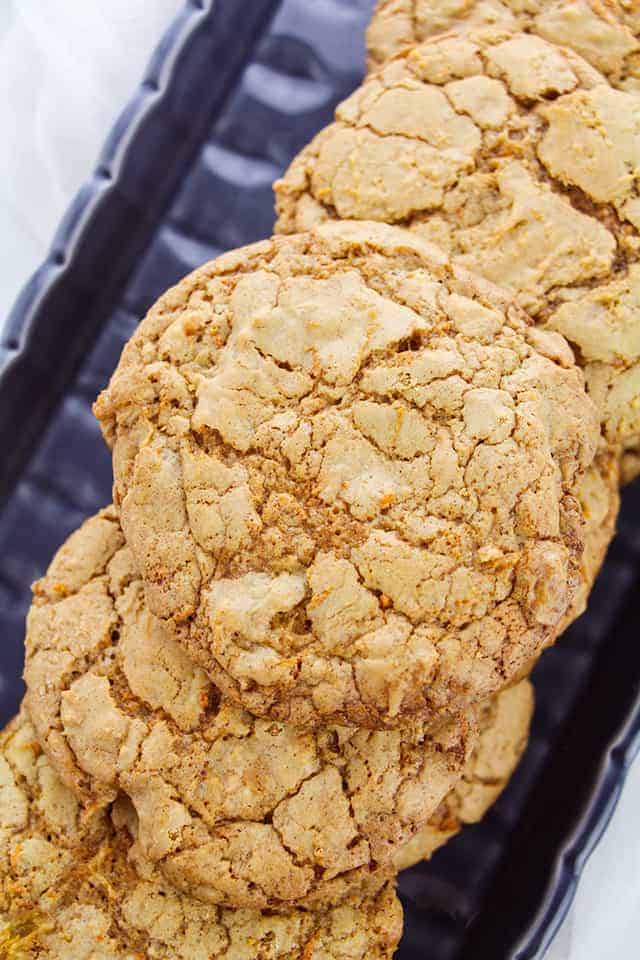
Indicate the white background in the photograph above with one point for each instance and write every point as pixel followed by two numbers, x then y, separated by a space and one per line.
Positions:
pixel 66 69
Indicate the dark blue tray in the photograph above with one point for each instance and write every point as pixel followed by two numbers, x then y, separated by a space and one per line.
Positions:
pixel 234 90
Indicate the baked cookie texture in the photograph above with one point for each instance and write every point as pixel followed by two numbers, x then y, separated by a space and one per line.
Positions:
pixel 233 809
pixel 599 496
pixel 523 163
pixel 604 33
pixel 504 732
pixel 69 891
pixel 347 470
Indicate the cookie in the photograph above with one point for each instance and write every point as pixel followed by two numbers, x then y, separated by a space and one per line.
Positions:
pixel 233 809
pixel 604 33
pixel 41 822
pixel 68 890
pixel 347 470
pixel 518 159
pixel 504 731
pixel 598 493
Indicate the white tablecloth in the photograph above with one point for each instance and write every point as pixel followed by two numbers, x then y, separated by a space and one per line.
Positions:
pixel 66 68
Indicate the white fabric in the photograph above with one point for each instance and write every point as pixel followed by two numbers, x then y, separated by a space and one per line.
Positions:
pixel 66 69
pixel 604 922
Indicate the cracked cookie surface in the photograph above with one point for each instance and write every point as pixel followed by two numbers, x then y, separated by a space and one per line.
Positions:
pixel 604 33
pixel 233 809
pixel 504 730
pixel 347 469
pixel 68 890
pixel 518 159
pixel 599 496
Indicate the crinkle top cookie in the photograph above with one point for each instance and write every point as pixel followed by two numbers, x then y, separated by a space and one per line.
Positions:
pixel 604 33
pixel 69 892
pixel 504 732
pixel 517 158
pixel 348 468
pixel 233 809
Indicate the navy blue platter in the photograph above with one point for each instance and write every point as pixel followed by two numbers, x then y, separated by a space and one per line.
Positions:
pixel 235 89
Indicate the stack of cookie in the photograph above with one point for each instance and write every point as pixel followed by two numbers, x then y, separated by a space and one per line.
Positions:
pixel 358 489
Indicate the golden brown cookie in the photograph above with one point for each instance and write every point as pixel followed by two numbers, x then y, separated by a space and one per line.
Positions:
pixel 518 159
pixel 68 890
pixel 604 32
pixel 348 470
pixel 234 809
pixel 504 731
pixel 599 496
